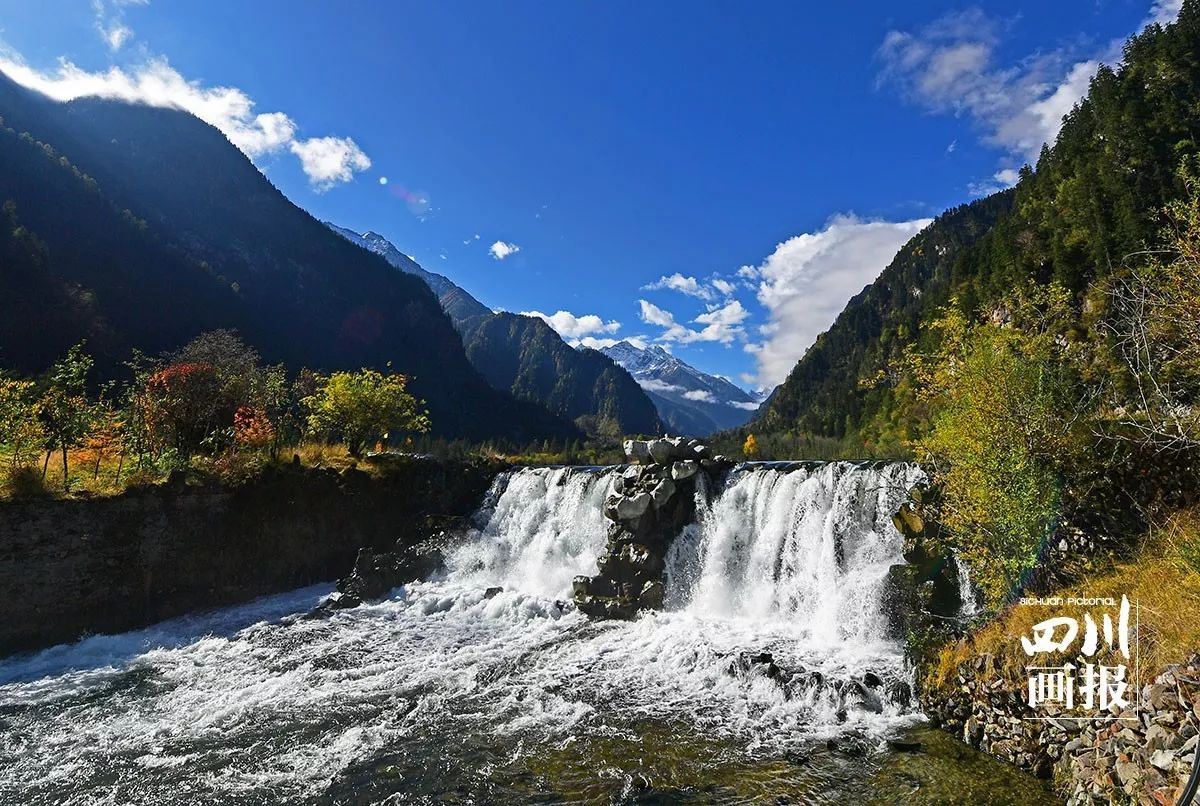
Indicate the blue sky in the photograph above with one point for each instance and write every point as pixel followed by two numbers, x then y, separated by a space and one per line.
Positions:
pixel 716 177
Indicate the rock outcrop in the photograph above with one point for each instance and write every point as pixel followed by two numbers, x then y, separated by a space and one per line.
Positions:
pixel 375 573
pixel 651 500
pixel 69 568
pixel 924 591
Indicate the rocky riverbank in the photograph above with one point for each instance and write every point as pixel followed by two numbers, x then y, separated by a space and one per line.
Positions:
pixel 1139 755
pixel 74 567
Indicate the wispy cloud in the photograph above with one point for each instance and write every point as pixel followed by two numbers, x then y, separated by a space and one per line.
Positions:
pixel 950 66
pixel 501 249
pixel 110 21
pixel 708 290
pixel 684 285
pixel 326 160
pixel 655 385
pixel 722 323
pixel 807 280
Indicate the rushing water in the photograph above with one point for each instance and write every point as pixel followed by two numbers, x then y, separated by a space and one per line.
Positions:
pixel 444 694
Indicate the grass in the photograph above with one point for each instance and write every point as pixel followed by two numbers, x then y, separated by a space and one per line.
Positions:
pixel 112 475
pixel 1163 578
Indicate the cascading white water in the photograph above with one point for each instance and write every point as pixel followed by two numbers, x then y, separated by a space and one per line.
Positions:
pixel 809 548
pixel 547 525
pixel 449 685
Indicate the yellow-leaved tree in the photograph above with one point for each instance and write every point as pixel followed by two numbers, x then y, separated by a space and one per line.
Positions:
pixel 364 407
pixel 1002 430
pixel 750 447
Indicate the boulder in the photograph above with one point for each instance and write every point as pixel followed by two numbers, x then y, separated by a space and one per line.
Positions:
pixel 637 450
pixel 662 493
pixel 684 469
pixel 632 507
pixel 651 596
pixel 662 451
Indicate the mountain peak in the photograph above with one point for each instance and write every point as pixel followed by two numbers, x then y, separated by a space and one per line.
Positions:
pixel 688 399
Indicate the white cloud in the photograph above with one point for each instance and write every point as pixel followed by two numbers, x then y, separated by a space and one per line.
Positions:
pixel 570 326
pixel 743 404
pixel 326 160
pixel 700 396
pixel 708 291
pixel 723 286
pixel 684 285
pixel 329 160
pixel 500 250
pixel 949 66
pixel 651 314
pixel 655 385
pixel 116 36
pixel 1164 11
pixel 722 323
pixel 594 343
pixel 110 21
pixel 1001 180
pixel 808 279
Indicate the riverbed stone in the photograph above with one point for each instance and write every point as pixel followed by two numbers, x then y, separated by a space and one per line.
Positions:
pixel 637 450
pixel 684 469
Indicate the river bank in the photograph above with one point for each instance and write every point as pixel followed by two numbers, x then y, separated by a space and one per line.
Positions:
pixel 69 568
pixel 768 677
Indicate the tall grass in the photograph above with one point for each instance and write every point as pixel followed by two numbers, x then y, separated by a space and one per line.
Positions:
pixel 1163 579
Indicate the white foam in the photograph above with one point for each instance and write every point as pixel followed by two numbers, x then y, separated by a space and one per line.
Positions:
pixel 236 704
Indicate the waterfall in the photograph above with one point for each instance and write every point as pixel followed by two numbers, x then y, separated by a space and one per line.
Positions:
pixel 771 639
pixel 809 548
pixel 966 589
pixel 546 526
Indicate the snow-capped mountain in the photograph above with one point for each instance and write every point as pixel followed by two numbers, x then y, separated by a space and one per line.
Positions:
pixel 688 400
pixel 461 306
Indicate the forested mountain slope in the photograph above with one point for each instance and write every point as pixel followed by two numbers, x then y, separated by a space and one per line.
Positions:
pixel 139 227
pixel 526 357
pixel 1095 197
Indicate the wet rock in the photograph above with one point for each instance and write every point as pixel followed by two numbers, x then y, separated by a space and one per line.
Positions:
pixel 684 469
pixel 905 745
pixel 651 597
pixel 491 593
pixel 662 492
pixel 632 507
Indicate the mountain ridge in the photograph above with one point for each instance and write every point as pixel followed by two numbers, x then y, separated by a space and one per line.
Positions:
pixel 527 358
pixel 689 400
pixel 135 226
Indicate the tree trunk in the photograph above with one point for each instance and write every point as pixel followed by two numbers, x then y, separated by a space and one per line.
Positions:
pixel 46 464
pixel 120 464
pixel 66 485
